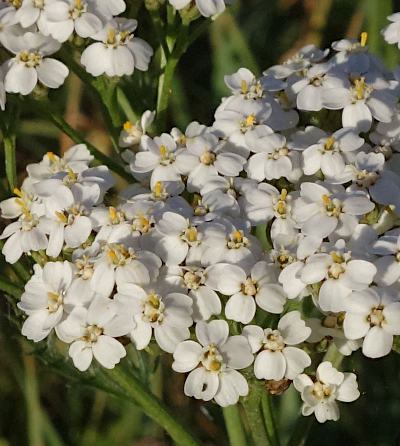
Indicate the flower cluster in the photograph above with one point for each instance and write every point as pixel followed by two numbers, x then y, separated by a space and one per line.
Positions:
pixel 304 157
pixel 33 30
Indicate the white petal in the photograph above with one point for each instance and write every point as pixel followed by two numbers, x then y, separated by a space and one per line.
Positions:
pixel 328 374
pixel 236 352
pixel 187 355
pixel 296 361
pixel 108 351
pixel 232 385
pixel 201 384
pixel 240 308
pixel 270 365
pixel 20 79
pixel 357 115
pixel 81 354
pixel 348 390
pixel 355 326
pixel 293 329
pixel 377 343
pixel 215 332
pixel 52 72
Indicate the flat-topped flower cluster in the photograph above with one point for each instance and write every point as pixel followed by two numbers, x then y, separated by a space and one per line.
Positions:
pixel 305 157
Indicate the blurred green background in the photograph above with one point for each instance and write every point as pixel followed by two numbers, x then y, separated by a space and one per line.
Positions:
pixel 41 407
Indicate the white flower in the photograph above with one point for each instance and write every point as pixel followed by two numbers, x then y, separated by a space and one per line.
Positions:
pixel 108 8
pixel 168 316
pixel 158 157
pixel 229 241
pixel 31 64
pixel 362 102
pixel 76 158
pixel 177 236
pixel 32 12
pixel 191 279
pixel 237 119
pixel 353 56
pixel 373 314
pixel 391 32
pixel 274 159
pixel 43 299
pixel 276 357
pixel 118 52
pixel 132 133
pixel 91 332
pixel 204 159
pixel 388 265
pixel 245 291
pixel 118 264
pixel 307 55
pixel 322 210
pixel 291 258
pixel 207 8
pixel 340 273
pixel 213 363
pixel 320 397
pixel 330 154
pixel 310 89
pixel 63 17
pixel 25 235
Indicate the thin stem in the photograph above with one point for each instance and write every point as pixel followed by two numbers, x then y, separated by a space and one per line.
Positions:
pixel 11 165
pixel 252 406
pixel 153 407
pixel 234 426
pixel 165 81
pixel 269 417
pixel 34 411
pixel 8 125
pixel 46 111
pixel 124 103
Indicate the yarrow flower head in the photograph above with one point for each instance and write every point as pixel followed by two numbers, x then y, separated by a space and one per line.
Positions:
pixel 244 249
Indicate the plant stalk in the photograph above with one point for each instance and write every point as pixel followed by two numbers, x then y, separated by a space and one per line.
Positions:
pixel 234 426
pixel 153 407
pixel 269 417
pixel 254 415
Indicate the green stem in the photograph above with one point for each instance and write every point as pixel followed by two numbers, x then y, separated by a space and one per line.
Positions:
pixel 9 288
pixel 269 417
pixel 234 427
pixel 165 80
pixel 252 406
pixel 11 165
pixel 153 407
pixel 124 103
pixel 8 126
pixel 46 111
pixel 34 411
